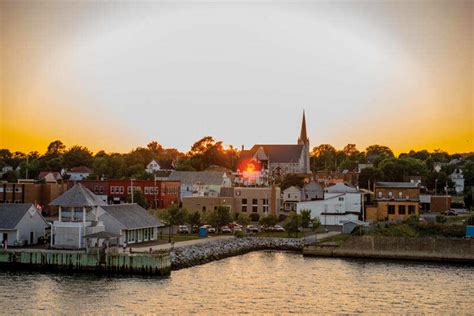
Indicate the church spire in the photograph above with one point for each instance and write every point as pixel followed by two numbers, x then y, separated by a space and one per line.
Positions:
pixel 303 139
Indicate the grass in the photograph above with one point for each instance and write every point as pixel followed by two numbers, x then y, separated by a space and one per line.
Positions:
pixel 178 238
pixel 338 239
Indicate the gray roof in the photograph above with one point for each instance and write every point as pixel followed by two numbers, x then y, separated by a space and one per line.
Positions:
pixel 77 196
pixel 11 214
pixel 407 185
pixel 277 153
pixel 132 216
pixel 342 188
pixel 193 177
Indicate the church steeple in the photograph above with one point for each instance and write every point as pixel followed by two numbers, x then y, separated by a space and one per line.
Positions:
pixel 303 139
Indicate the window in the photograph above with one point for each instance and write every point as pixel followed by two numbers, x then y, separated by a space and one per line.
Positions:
pixel 18 190
pixel 265 201
pixel 101 190
pixel 237 193
pixel 9 189
pixel 121 190
pixel 288 195
pixel 96 189
pixel 254 201
pixel 380 194
pixel 402 210
pixel 390 194
pixel 400 195
pixel 244 208
pixel 265 208
pixel 255 209
pixel 203 208
pixel 244 201
pixel 391 209
pixel 411 209
pixel 341 199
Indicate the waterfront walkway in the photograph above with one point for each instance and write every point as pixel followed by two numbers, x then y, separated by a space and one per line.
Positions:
pixel 207 240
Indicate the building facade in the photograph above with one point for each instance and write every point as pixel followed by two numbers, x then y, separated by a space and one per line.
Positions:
pixel 394 201
pixel 201 183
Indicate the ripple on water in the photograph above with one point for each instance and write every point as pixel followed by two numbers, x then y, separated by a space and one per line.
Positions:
pixel 258 282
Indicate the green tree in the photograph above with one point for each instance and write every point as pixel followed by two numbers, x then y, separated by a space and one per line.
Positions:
pixel 138 198
pixel 77 156
pixel 324 157
pixel 269 220
pixel 369 175
pixel 305 218
pixel 292 180
pixel 194 219
pixel 243 219
pixel 292 224
pixel 223 216
pixel 315 224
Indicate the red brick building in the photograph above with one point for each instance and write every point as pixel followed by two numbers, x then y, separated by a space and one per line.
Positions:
pixel 116 191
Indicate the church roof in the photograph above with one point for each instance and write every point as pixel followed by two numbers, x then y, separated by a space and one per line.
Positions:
pixel 277 153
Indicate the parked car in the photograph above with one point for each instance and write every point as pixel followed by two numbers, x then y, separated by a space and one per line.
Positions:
pixel 195 229
pixel 226 230
pixel 451 213
pixel 183 229
pixel 211 230
pixel 278 228
pixel 252 229
pixel 237 229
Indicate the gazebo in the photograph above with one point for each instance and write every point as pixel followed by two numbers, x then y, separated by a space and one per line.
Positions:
pixel 77 217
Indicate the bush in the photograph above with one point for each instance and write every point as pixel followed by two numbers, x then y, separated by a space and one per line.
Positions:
pixel 440 219
pixel 470 220
pixel 442 230
pixel 254 217
pixel 457 204
pixel 239 234
pixel 282 217
pixel 413 220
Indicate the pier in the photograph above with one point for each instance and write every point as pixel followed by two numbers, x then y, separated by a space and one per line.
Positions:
pixel 157 263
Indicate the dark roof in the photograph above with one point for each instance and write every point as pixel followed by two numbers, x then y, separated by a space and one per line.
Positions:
pixel 408 185
pixel 277 153
pixel 131 215
pixel 81 169
pixel 77 196
pixel 56 175
pixel 11 214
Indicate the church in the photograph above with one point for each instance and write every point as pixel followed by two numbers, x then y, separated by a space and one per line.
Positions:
pixel 282 159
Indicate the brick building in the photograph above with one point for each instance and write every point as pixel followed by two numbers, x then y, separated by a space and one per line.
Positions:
pixel 163 195
pixel 394 201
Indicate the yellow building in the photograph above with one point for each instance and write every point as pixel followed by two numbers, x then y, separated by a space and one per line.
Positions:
pixel 394 201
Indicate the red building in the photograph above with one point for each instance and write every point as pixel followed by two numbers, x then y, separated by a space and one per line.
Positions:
pixel 163 195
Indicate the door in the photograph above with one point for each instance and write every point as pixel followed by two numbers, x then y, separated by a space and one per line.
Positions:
pixel 32 238
pixel 5 237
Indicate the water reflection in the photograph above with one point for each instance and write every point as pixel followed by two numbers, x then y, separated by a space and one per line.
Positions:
pixel 259 282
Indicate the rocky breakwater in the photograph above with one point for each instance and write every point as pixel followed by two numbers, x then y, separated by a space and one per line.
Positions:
pixel 188 256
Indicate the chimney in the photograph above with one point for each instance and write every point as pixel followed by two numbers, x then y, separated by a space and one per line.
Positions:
pixel 243 147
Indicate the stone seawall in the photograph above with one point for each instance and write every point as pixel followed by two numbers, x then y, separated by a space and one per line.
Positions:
pixel 402 248
pixel 184 257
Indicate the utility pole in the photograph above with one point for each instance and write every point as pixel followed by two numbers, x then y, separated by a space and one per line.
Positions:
pixel 131 187
pixel 154 190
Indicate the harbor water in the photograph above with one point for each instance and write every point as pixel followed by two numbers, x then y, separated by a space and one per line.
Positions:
pixel 258 282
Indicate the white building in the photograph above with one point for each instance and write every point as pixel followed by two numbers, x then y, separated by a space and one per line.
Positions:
pixel 21 224
pixel 77 217
pixel 79 173
pixel 291 196
pixel 153 167
pixel 129 221
pixel 201 183
pixel 458 179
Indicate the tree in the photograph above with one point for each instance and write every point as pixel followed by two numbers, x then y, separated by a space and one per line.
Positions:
pixel 315 224
pixel 292 224
pixel 56 148
pixel 292 180
pixel 77 156
pixel 223 216
pixel 194 219
pixel 243 219
pixel 268 221
pixel 138 198
pixel 305 218
pixel 368 176
pixel 174 216
pixel 324 157
pixel 377 153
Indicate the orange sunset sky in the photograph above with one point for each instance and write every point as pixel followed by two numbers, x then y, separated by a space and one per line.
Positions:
pixel 114 76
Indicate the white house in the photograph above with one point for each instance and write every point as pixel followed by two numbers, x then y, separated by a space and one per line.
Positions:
pixel 77 217
pixel 153 167
pixel 333 210
pixel 129 221
pixel 291 196
pixel 458 179
pixel 200 183
pixel 21 223
pixel 79 173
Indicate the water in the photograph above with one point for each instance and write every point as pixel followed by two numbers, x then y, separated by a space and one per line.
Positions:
pixel 259 282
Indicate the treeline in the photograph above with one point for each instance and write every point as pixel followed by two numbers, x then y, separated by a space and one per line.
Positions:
pixel 203 154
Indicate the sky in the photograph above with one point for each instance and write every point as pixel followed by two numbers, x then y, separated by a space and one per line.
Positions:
pixel 117 75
